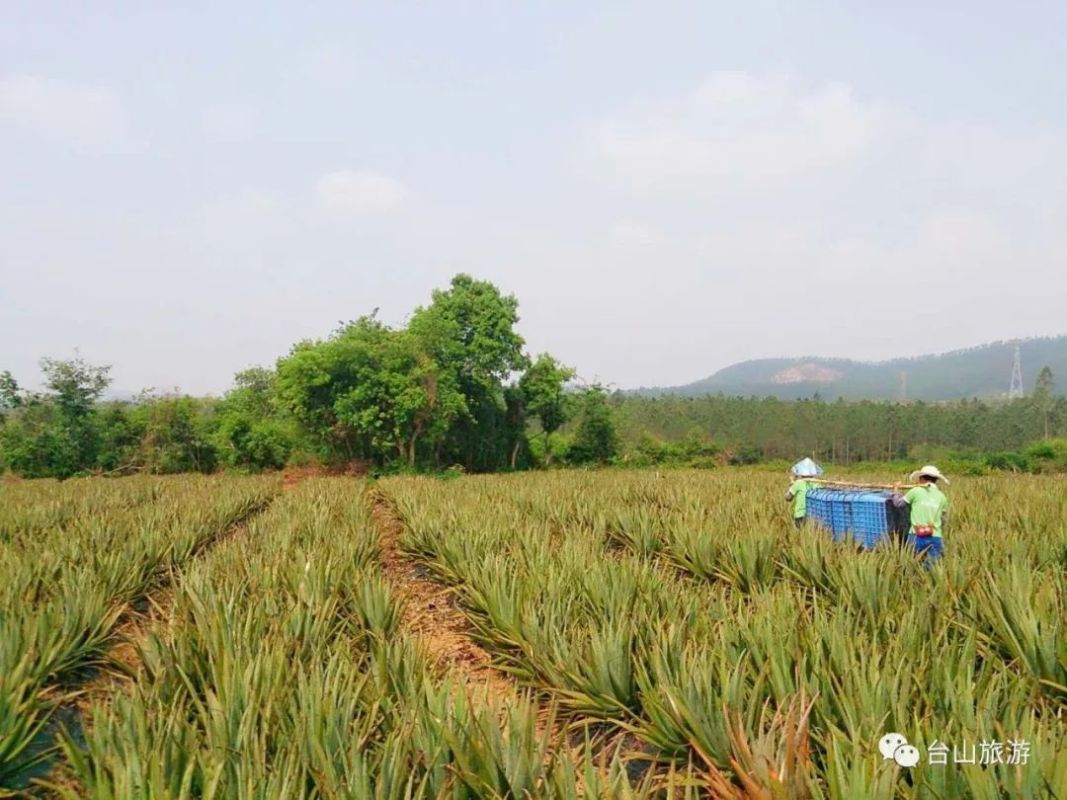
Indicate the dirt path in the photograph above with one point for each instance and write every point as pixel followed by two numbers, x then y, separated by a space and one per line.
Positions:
pixel 431 613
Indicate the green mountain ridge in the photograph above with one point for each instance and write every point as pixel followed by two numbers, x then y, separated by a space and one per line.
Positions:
pixel 983 371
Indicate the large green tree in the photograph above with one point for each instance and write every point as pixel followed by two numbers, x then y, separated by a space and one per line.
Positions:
pixel 252 431
pixel 54 433
pixel 542 392
pixel 596 440
pixel 468 330
pixel 176 433
pixel 75 385
pixel 471 327
pixel 369 392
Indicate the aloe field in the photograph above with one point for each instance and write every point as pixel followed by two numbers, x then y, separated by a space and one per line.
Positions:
pixel 564 634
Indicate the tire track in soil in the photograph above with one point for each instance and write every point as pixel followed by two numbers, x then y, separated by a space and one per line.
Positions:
pixel 431 612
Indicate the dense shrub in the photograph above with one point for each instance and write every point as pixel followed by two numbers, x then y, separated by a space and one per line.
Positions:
pixel 1048 456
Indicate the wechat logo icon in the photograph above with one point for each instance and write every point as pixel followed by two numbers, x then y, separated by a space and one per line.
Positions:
pixel 895 746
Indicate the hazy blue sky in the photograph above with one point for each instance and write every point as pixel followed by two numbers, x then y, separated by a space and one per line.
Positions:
pixel 187 189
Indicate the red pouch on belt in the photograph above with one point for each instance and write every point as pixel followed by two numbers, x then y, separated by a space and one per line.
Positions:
pixel 923 531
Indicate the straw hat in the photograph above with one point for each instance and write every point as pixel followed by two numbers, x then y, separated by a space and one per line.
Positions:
pixel 929 471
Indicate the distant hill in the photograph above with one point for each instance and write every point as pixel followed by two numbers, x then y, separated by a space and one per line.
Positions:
pixel 983 371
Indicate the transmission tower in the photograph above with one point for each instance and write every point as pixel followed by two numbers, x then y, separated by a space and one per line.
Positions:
pixel 1016 390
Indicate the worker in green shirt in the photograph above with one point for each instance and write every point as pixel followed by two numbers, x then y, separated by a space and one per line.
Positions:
pixel 929 510
pixel 798 489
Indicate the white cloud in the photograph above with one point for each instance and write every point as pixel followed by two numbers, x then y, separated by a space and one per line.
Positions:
pixel 739 130
pixel 89 118
pixel 353 192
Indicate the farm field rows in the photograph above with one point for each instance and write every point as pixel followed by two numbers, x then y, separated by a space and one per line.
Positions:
pixel 665 636
pixel 73 558
pixel 685 610
pixel 280 670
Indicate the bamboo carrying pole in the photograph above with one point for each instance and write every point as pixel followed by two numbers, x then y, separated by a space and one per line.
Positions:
pixel 857 485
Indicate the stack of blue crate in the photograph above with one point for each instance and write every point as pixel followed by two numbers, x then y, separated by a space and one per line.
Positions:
pixel 862 516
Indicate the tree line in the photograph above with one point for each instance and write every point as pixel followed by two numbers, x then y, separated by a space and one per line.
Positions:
pixel 749 429
pixel 453 387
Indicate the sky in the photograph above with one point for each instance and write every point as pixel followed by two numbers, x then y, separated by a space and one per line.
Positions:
pixel 187 189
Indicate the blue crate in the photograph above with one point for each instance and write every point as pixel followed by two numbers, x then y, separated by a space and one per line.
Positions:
pixel 862 516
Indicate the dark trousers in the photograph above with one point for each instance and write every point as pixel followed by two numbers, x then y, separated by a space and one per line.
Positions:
pixel 928 547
